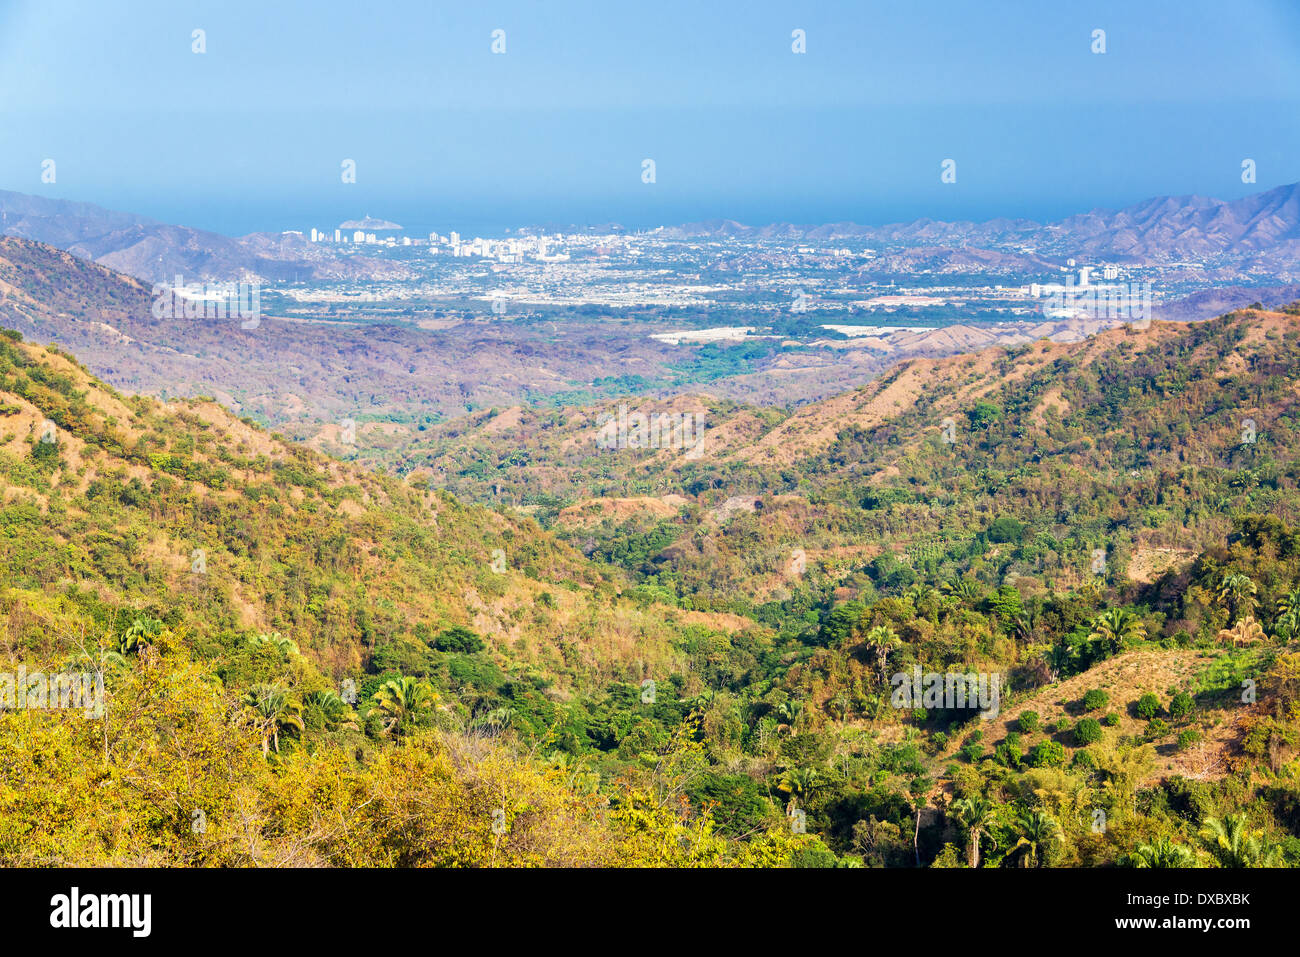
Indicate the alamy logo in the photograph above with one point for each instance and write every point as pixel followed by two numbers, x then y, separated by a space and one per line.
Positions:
pixel 103 910
pixel 213 300
pixel 949 690
pixel 60 691
pixel 658 430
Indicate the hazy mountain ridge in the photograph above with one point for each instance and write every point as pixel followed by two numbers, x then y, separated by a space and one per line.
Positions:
pixel 1262 231
pixel 1257 234
pixel 159 252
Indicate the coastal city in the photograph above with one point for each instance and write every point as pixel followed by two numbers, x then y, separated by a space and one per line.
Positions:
pixel 837 289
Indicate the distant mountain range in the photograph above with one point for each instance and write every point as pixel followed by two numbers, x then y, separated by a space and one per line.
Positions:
pixel 1249 240
pixel 1256 234
pixel 158 252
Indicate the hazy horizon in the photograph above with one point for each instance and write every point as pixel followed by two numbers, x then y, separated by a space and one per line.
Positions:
pixel 250 135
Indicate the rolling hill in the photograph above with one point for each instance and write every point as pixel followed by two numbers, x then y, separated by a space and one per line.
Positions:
pixel 685 650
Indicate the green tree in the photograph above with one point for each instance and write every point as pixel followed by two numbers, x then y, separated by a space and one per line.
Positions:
pixel 1148 706
pixel 1287 623
pixel 1113 627
pixel 882 640
pixel 1237 593
pixel 402 702
pixel 975 814
pixel 1038 830
pixel 1087 731
pixel 271 709
pixel 1234 844
pixel 1163 854
pixel 1096 699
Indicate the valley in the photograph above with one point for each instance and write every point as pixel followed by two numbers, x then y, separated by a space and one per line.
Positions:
pixel 499 606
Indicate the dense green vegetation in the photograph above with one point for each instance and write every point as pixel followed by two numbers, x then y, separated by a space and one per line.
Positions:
pixel 706 679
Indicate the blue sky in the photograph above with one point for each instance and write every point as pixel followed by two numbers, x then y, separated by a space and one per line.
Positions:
pixel 251 134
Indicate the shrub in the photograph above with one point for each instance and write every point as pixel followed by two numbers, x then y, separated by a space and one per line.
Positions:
pixel 1006 529
pixel 458 639
pixel 1084 760
pixel 1187 738
pixel 1028 721
pixel 1157 728
pixel 1181 705
pixel 1148 706
pixel 1062 725
pixel 1008 755
pixel 1047 754
pixel 1111 720
pixel 973 753
pixel 1087 731
pixel 1095 700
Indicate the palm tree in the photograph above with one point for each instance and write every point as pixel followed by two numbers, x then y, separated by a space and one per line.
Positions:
pixel 799 782
pixel 1113 627
pixel 1288 614
pixel 920 594
pixel 975 814
pixel 496 719
pixel 403 700
pixel 142 630
pixel 272 708
pixel 788 714
pixel 1237 591
pixel 1234 845
pixel 1060 656
pixel 333 709
pixel 1164 853
pixel 882 640
pixel 1037 831
pixel 963 590
pixel 285 646
pixel 919 789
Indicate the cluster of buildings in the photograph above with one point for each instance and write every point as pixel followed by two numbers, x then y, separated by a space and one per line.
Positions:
pixel 369 232
pixel 1108 274
pixel 358 236
pixel 515 250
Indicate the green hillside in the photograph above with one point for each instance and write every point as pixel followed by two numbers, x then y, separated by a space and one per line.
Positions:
pixel 632 657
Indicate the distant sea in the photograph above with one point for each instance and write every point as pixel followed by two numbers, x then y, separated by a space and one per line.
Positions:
pixel 238 216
